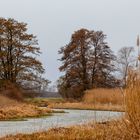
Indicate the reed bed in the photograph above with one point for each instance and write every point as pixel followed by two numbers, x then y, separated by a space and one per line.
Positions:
pixel 96 99
pixel 87 106
pixel 104 96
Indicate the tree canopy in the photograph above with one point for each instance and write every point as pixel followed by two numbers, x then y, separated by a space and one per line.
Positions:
pixel 87 63
pixel 18 53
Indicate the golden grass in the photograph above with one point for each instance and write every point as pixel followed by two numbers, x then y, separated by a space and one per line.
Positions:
pixel 104 96
pixel 12 109
pixel 86 106
pixel 132 104
pixel 4 101
pixel 103 131
pixel 21 111
pixel 96 99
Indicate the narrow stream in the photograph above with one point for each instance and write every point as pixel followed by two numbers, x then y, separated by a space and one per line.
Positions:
pixel 72 117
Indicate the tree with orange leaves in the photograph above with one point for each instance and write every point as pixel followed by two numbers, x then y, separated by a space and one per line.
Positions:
pixel 18 53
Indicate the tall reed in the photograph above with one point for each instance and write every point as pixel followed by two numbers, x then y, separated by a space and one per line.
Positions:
pixel 104 96
pixel 132 104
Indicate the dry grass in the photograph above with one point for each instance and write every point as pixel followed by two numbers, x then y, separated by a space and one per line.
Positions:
pixel 12 106
pixel 21 111
pixel 104 96
pixel 96 99
pixel 44 102
pixel 4 101
pixel 13 110
pixel 105 131
pixel 127 128
pixel 132 104
pixel 85 106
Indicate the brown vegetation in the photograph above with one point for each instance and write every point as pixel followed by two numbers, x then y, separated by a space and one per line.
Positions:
pixel 127 128
pixel 84 132
pixel 96 99
pixel 45 102
pixel 18 51
pixel 87 63
pixel 21 111
pixel 10 90
pixel 104 96
pixel 103 131
pixel 84 106
pixel 13 109
pixel 4 101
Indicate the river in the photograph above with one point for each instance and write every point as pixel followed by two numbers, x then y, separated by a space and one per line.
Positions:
pixel 72 117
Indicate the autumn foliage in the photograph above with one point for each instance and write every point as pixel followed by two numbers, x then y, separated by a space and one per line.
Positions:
pixel 18 52
pixel 87 62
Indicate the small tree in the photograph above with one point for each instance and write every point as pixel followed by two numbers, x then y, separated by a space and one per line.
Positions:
pixel 126 59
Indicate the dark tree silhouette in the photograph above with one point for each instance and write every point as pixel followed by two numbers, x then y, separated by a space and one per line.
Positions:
pixel 87 63
pixel 18 51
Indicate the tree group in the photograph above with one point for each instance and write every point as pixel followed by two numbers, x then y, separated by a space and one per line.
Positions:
pixel 87 62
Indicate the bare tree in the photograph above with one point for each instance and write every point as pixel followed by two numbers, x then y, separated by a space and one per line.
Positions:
pixel 126 59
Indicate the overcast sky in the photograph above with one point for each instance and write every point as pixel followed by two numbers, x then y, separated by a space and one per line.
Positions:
pixel 53 22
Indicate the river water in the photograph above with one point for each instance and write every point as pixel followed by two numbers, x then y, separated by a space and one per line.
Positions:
pixel 72 117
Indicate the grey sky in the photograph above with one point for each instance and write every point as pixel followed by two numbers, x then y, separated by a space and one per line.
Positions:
pixel 53 21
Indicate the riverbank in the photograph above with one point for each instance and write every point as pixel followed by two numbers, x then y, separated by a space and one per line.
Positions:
pixel 100 131
pixel 85 106
pixel 71 118
pixel 14 110
pixel 59 103
pixel 96 99
pixel 20 111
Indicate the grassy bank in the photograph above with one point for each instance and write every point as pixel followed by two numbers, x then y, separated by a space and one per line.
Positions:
pixel 21 111
pixel 104 96
pixel 86 106
pixel 13 110
pixel 106 131
pixel 97 99
pixel 44 102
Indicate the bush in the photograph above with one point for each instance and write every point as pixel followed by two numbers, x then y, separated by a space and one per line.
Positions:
pixel 11 90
